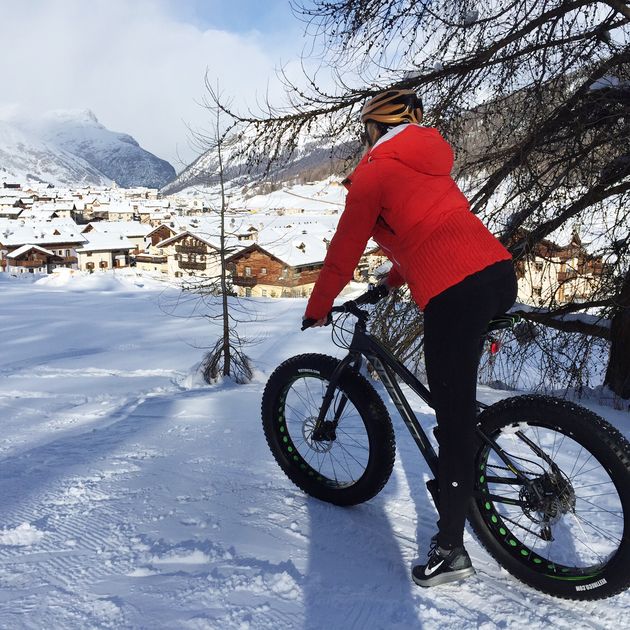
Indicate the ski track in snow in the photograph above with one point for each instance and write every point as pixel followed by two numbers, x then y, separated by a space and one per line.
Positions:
pixel 135 497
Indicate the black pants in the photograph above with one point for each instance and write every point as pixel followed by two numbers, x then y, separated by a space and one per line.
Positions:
pixel 454 324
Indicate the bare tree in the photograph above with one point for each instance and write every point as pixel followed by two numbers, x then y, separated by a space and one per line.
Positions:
pixel 535 96
pixel 226 358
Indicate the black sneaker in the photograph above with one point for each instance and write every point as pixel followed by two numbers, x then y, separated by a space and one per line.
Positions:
pixel 443 566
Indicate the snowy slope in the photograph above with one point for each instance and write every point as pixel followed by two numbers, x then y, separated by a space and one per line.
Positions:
pixel 312 154
pixel 134 496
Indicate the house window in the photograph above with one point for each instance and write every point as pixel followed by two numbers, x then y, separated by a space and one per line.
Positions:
pixel 67 253
pixel 285 273
pixel 264 292
pixel 248 271
pixel 89 253
pixel 248 292
pixel 539 266
pixel 263 271
pixel 103 264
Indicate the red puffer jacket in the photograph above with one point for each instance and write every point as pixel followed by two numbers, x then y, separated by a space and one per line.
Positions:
pixel 403 196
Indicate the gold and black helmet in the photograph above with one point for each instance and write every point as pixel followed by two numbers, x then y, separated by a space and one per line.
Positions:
pixel 392 108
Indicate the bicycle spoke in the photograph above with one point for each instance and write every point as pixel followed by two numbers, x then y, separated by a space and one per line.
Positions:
pixel 346 460
pixel 592 485
pixel 601 509
pixel 598 529
pixel 351 455
pixel 332 463
pixel 579 472
pixel 588 471
pixel 359 445
pixel 570 475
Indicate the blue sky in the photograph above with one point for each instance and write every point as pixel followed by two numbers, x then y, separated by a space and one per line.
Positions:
pixel 268 16
pixel 139 65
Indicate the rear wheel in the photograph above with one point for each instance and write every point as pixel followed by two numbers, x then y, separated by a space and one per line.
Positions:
pixel 565 532
pixel 350 457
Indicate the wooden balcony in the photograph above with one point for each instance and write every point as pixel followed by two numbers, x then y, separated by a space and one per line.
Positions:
pixel 191 249
pixel 245 281
pixel 186 264
pixel 28 264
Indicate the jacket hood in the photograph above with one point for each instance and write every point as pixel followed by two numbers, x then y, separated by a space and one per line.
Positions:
pixel 420 148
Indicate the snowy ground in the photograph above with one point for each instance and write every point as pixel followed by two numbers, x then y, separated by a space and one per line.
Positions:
pixel 134 496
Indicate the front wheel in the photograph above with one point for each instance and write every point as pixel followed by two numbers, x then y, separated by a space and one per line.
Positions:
pixel 349 458
pixel 565 530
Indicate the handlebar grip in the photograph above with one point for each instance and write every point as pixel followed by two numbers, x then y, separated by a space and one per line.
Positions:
pixel 307 322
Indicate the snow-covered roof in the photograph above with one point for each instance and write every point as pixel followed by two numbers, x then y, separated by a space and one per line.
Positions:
pixel 8 200
pixel 17 233
pixel 27 248
pixel 10 211
pixel 126 228
pixel 171 239
pixel 37 215
pixel 162 225
pixel 98 241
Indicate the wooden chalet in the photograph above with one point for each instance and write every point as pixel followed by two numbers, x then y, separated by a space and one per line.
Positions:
pixel 256 272
pixel 567 273
pixel 32 259
pixel 189 254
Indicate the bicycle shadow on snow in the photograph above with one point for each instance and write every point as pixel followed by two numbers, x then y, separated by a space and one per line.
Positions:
pixel 356 575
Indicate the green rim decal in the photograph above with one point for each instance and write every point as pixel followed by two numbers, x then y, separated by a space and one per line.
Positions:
pixel 515 547
pixel 294 457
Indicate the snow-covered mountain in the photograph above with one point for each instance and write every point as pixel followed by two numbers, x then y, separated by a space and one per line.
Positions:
pixel 314 159
pixel 27 158
pixel 71 146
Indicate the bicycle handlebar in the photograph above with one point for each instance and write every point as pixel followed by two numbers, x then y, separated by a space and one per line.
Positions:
pixel 371 296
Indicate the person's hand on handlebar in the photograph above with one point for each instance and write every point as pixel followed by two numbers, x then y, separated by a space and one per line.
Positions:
pixel 373 295
pixel 320 322
pixel 307 322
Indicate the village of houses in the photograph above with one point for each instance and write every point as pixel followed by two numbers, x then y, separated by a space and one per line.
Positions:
pixel 275 246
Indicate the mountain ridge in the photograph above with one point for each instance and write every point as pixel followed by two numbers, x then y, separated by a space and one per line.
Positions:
pixel 73 147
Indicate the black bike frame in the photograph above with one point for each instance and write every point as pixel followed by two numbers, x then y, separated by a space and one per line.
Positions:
pixel 388 367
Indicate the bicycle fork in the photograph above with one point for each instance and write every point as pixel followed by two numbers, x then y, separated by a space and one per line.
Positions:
pixel 325 430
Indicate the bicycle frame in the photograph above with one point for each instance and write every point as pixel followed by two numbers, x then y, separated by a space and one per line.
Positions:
pixel 388 367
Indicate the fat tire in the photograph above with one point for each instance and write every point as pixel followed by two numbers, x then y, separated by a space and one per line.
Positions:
pixel 607 445
pixel 368 404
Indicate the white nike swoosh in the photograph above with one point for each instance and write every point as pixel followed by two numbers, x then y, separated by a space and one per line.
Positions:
pixel 428 571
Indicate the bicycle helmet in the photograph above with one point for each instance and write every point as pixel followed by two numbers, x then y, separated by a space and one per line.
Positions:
pixel 392 107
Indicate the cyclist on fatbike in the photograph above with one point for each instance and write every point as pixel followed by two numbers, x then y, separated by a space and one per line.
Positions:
pixel 403 196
